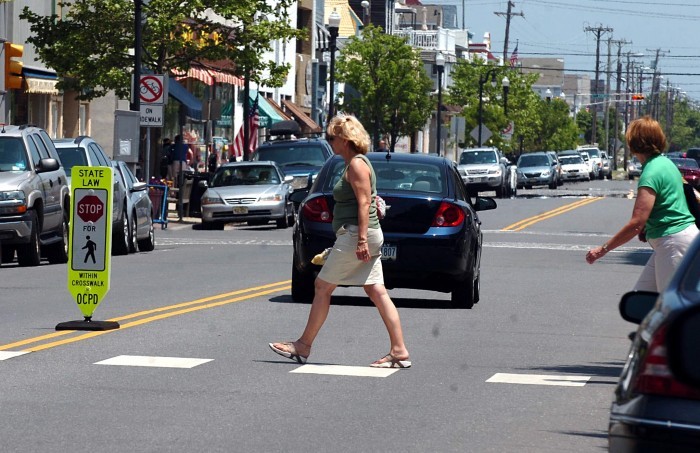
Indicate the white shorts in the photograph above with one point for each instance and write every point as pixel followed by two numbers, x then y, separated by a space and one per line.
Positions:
pixel 342 266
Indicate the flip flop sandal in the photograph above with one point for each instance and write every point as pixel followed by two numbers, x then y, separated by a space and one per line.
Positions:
pixel 393 362
pixel 291 354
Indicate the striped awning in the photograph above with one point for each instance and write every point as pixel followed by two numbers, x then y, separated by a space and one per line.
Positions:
pixel 209 76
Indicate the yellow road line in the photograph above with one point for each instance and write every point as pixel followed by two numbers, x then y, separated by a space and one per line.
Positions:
pixel 202 305
pixel 522 224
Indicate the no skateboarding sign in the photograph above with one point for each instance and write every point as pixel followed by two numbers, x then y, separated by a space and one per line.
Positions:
pixel 90 243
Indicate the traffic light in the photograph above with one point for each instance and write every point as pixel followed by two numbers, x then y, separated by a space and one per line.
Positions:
pixel 637 97
pixel 13 68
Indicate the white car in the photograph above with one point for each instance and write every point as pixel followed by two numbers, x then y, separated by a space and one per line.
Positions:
pixel 573 168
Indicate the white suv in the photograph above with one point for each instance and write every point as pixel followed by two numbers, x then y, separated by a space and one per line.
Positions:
pixel 34 198
pixel 485 169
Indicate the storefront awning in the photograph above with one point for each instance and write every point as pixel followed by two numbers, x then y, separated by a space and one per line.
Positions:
pixel 268 114
pixel 192 105
pixel 40 81
pixel 209 76
pixel 300 117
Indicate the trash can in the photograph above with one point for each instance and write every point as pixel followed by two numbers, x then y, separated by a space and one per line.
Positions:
pixel 197 192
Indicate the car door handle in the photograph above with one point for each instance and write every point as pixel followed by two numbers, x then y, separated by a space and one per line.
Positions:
pixel 50 183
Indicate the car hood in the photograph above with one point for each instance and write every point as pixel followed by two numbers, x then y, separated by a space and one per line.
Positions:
pixel 300 170
pixel 568 167
pixel 468 167
pixel 243 191
pixel 11 180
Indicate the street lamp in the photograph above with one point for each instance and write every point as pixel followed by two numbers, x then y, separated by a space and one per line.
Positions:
pixel 482 80
pixel 440 67
pixel 365 12
pixel 333 26
pixel 506 88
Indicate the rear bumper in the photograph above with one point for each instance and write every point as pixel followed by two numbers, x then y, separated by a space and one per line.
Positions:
pixel 637 434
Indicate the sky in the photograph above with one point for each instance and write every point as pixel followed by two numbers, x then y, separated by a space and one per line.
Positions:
pixel 555 29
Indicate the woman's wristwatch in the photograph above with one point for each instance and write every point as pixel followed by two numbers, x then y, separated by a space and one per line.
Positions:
pixel 605 247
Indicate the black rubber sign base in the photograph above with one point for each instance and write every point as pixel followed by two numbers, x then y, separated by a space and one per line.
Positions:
pixel 88 324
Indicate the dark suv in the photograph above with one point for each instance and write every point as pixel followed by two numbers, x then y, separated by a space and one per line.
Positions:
pixel 34 197
pixel 301 158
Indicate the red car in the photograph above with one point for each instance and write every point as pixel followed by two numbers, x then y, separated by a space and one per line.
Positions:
pixel 689 169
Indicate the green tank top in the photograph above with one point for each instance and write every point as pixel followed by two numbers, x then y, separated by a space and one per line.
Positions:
pixel 345 210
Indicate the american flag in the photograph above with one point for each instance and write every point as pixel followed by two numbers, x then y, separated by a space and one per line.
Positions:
pixel 514 56
pixel 254 124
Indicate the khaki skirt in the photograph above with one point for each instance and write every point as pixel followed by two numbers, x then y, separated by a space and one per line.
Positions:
pixel 342 266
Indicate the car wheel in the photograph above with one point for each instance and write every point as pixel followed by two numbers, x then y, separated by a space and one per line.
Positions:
pixel 463 295
pixel 148 244
pixel 120 238
pixel 30 254
pixel 133 235
pixel 284 221
pixel 58 253
pixel 609 176
pixel 528 187
pixel 500 192
pixel 553 184
pixel 7 253
pixel 302 286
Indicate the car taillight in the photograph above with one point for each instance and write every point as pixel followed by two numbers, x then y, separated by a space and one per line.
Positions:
pixel 317 210
pixel 655 377
pixel 448 215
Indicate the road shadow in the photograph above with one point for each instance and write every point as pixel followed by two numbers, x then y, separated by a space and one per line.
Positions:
pixel 363 301
pixel 607 372
pixel 636 258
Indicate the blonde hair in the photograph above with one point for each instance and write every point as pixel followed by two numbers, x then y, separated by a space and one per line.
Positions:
pixel 349 128
pixel 645 136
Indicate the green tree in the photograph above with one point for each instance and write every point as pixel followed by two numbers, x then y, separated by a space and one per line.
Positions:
pixel 393 85
pixel 91 44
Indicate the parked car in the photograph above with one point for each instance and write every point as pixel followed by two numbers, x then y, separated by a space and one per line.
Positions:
pixel 596 159
pixel 634 168
pixel 690 170
pixel 592 168
pixel 139 210
pixel 84 151
pixel 254 192
pixel 297 156
pixel 536 169
pixel 432 233
pixel 34 198
pixel 573 168
pixel 653 411
pixel 690 153
pixel 485 169
pixel 606 167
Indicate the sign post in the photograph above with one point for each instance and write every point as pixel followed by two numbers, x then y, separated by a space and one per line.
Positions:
pixel 89 257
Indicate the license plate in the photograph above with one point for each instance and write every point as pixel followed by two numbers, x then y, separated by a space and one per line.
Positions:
pixel 388 252
pixel 240 210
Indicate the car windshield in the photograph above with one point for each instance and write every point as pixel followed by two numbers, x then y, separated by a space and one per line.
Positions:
pixel 406 176
pixel 70 157
pixel 533 161
pixel 687 163
pixel 245 175
pixel 293 155
pixel 477 157
pixel 12 155
pixel 592 152
pixel 569 160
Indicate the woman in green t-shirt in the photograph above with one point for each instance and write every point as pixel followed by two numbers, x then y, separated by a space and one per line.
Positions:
pixel 355 256
pixel 661 210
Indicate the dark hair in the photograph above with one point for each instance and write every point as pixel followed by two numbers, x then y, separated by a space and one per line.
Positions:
pixel 178 139
pixel 645 136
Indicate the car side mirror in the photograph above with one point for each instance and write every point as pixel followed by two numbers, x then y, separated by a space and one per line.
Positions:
pixel 288 178
pixel 203 184
pixel 47 164
pixel 682 342
pixel 505 161
pixel 636 305
pixel 484 204
pixel 139 186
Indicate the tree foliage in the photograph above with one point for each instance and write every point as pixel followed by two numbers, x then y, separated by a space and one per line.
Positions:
pixel 91 44
pixel 391 79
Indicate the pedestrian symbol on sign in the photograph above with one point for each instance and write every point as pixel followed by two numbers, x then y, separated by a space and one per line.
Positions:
pixel 90 246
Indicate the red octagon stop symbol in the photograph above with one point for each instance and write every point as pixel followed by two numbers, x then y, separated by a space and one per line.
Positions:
pixel 90 208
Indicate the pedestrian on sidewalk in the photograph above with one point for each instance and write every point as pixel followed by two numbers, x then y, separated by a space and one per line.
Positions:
pixel 660 212
pixel 355 257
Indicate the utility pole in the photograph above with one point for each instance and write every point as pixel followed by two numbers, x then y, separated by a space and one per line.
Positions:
pixel 618 99
pixel 598 32
pixel 606 100
pixel 656 84
pixel 508 14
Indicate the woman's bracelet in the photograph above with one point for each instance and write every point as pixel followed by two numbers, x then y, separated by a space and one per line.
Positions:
pixel 361 241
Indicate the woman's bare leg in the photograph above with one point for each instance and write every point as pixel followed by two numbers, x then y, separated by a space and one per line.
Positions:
pixel 390 315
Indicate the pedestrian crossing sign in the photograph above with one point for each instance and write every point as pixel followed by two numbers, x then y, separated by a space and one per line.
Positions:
pixel 89 256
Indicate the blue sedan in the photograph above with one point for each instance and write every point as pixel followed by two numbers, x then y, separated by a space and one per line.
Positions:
pixel 432 234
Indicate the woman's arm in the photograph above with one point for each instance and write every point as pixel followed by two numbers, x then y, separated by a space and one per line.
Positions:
pixel 640 214
pixel 358 175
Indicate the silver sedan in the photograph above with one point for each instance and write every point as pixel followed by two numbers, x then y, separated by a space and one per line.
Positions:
pixel 252 192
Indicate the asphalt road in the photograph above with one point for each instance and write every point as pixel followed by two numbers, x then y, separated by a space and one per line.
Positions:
pixel 530 369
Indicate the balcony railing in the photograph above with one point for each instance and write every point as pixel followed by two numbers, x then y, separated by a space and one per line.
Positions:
pixel 422 39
